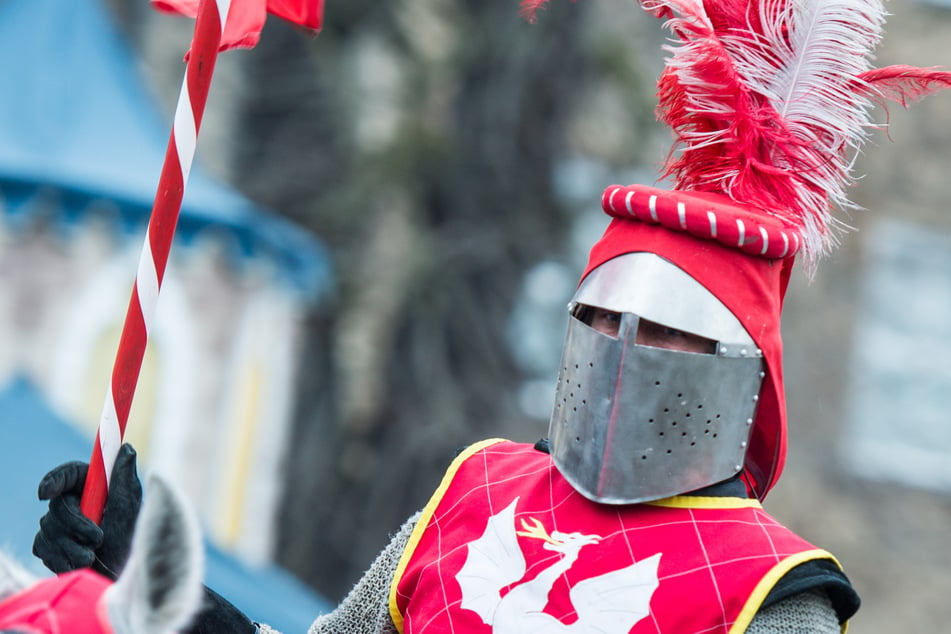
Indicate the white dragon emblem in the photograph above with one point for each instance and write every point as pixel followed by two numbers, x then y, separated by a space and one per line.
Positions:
pixel 611 603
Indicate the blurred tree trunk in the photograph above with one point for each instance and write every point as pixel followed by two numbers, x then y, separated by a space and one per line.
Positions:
pixel 417 138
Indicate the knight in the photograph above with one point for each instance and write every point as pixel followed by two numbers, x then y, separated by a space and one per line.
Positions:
pixel 642 511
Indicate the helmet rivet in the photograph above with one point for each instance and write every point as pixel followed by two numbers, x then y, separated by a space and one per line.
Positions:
pixel 737 467
pixel 749 421
pixel 743 444
pixel 755 397
pixel 759 352
pixel 723 350
pixel 762 374
pixel 743 352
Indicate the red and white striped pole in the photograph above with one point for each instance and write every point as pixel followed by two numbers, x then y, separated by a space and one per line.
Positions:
pixel 209 26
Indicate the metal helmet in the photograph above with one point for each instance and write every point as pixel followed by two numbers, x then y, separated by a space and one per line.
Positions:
pixel 634 422
pixel 700 263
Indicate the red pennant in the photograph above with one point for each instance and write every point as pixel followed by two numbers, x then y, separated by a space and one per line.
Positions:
pixel 246 17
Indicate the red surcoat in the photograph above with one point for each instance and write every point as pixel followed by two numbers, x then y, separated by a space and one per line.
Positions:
pixel 506 545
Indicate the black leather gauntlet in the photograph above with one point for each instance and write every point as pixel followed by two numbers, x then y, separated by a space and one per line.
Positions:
pixel 67 539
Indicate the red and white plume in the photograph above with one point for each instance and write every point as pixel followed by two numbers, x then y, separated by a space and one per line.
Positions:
pixel 770 100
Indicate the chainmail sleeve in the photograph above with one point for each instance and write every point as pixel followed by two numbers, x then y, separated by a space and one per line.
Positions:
pixel 366 609
pixel 805 612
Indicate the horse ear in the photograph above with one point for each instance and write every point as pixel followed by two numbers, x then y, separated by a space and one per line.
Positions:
pixel 160 588
pixel 13 576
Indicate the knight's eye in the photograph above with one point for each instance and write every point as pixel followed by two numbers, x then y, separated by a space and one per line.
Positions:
pixel 656 335
pixel 606 321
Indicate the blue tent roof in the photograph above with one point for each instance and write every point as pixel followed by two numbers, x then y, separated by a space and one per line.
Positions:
pixel 33 440
pixel 76 116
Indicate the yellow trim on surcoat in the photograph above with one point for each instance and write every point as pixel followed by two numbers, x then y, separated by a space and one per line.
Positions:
pixel 766 584
pixel 705 502
pixel 423 522
pixel 770 579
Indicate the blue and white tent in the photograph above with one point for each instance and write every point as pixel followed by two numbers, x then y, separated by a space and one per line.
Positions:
pixel 76 122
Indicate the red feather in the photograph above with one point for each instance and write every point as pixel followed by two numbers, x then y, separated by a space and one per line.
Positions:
pixel 530 8
pixel 903 84
pixel 769 99
pixel 755 158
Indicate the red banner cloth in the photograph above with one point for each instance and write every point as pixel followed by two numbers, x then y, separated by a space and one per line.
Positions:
pixel 246 17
